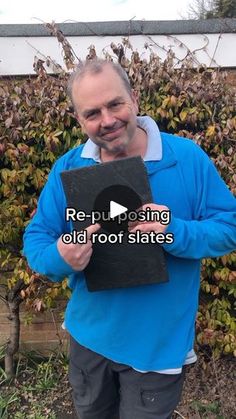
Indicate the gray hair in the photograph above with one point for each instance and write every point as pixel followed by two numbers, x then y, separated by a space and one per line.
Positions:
pixel 96 66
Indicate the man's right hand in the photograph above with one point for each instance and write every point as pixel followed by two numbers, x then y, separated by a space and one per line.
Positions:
pixel 78 255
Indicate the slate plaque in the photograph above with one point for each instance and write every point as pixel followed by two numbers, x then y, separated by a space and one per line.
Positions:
pixel 115 265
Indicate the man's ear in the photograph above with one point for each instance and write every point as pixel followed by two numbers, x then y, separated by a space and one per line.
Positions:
pixel 79 122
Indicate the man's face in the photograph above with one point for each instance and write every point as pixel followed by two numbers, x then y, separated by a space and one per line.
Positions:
pixel 105 110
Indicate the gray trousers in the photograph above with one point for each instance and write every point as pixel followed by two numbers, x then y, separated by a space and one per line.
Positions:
pixel 103 389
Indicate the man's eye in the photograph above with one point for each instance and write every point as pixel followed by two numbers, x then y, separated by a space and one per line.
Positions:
pixel 115 105
pixel 92 115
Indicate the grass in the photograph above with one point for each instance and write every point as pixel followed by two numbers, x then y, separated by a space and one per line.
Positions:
pixel 5 402
pixel 204 409
pixel 33 391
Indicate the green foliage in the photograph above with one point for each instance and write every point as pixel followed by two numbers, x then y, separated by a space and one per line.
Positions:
pixel 45 376
pixel 37 126
pixel 5 402
pixel 204 409
pixel 33 392
pixel 225 8
pixel 208 9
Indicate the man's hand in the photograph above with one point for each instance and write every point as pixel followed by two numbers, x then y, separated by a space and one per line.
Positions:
pixel 147 227
pixel 78 255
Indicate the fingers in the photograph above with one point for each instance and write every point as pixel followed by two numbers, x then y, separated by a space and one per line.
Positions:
pixel 156 222
pixel 144 227
pixel 133 224
pixel 81 263
pixel 93 228
pixel 78 255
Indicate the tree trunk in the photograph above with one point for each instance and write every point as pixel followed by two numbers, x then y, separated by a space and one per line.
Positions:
pixel 13 301
pixel 13 342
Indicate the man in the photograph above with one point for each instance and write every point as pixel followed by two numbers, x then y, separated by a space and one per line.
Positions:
pixel 129 346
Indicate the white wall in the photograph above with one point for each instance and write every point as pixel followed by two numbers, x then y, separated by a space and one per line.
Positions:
pixel 17 53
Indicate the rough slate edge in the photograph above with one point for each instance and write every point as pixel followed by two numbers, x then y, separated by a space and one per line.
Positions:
pixel 131 27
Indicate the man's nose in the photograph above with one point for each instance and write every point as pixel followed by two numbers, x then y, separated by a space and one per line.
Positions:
pixel 107 118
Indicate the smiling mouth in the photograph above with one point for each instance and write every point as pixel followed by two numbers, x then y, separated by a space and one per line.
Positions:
pixel 112 135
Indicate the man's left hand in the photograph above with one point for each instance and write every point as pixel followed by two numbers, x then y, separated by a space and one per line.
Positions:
pixel 148 226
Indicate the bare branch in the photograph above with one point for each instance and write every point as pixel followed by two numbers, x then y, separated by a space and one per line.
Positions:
pixel 214 53
pixel 56 66
pixel 4 300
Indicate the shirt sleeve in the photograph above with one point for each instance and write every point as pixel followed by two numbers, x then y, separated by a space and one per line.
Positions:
pixel 212 231
pixel 41 235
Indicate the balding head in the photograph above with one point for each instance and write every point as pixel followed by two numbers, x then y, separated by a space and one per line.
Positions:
pixel 96 66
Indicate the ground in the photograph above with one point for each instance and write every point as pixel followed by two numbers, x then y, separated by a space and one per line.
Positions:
pixel 41 390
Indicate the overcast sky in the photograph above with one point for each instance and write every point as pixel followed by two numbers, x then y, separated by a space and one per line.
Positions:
pixel 32 11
